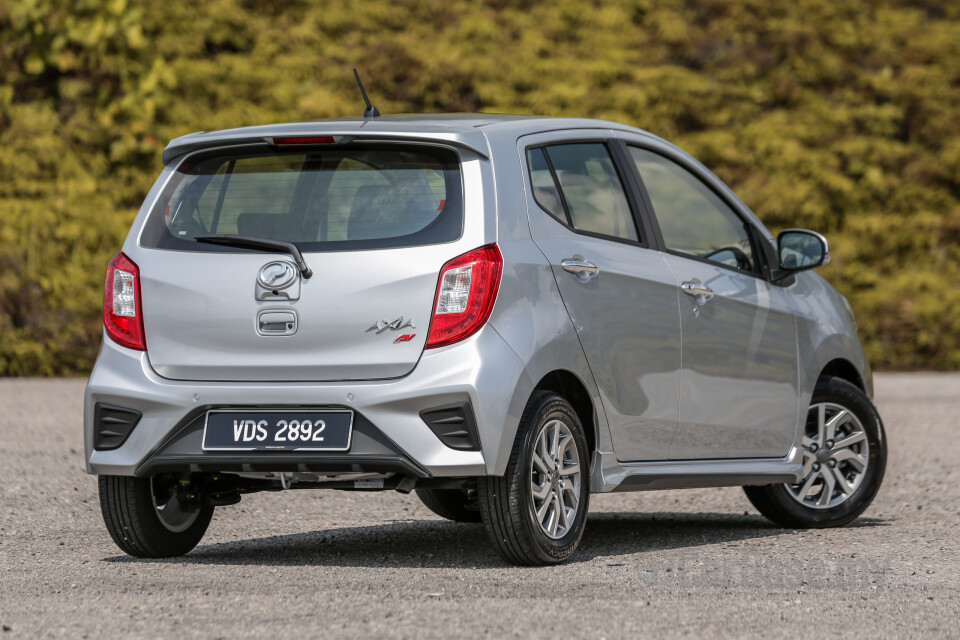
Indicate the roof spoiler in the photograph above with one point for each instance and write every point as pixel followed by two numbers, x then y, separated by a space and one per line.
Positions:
pixel 474 141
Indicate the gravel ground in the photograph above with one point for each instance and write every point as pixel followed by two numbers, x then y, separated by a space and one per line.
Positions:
pixel 679 563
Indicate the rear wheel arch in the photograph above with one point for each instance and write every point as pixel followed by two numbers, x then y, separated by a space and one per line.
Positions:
pixel 567 385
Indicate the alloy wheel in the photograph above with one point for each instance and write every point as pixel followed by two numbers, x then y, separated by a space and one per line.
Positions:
pixel 555 479
pixel 835 457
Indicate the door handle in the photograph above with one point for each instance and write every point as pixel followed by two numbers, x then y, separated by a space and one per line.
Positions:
pixel 580 267
pixel 695 288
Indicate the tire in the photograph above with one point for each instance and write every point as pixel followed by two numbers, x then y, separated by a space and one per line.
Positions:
pixel 789 505
pixel 135 522
pixel 507 503
pixel 452 504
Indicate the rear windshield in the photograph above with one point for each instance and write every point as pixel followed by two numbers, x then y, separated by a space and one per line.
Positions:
pixel 322 198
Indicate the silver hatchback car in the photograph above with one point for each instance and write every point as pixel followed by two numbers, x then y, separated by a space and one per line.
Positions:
pixel 504 314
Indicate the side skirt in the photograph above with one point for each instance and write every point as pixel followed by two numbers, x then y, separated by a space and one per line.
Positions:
pixel 608 474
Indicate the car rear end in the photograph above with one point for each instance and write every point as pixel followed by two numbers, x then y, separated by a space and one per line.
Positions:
pixel 238 368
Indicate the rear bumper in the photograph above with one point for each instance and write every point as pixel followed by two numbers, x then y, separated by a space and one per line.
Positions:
pixel 392 434
pixel 370 452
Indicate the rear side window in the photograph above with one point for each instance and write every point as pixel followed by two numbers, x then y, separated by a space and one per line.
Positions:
pixel 590 186
pixel 544 188
pixel 323 199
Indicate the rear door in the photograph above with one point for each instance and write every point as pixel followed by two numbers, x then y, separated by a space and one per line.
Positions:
pixel 738 387
pixel 374 222
pixel 619 294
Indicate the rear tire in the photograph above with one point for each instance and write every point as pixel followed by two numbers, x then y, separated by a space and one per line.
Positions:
pixel 146 519
pixel 452 504
pixel 803 505
pixel 548 471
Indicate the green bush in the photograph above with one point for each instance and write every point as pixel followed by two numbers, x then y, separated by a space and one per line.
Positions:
pixel 839 116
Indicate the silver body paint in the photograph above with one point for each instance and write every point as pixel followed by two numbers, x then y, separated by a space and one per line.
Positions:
pixel 678 398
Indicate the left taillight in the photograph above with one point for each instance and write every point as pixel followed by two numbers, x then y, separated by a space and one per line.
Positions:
pixel 122 308
pixel 465 295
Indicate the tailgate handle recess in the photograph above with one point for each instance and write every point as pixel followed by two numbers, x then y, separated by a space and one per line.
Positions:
pixel 277 323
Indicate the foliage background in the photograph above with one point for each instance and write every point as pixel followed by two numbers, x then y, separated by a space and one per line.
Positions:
pixel 843 117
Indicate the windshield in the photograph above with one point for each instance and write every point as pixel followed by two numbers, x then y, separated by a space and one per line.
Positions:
pixel 323 198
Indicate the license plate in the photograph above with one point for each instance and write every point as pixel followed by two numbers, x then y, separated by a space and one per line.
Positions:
pixel 278 430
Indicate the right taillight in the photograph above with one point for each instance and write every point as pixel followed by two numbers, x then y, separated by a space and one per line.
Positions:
pixel 122 309
pixel 465 295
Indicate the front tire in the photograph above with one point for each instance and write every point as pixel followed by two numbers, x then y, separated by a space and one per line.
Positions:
pixel 146 518
pixel 845 456
pixel 535 514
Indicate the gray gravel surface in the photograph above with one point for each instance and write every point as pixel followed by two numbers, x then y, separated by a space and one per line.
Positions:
pixel 313 563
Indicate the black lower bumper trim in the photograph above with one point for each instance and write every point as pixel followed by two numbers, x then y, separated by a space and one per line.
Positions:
pixel 370 452
pixel 278 463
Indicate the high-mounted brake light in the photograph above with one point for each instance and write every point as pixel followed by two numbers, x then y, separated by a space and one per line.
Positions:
pixel 304 140
pixel 465 295
pixel 122 308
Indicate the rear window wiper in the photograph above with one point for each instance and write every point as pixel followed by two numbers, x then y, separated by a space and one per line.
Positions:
pixel 260 244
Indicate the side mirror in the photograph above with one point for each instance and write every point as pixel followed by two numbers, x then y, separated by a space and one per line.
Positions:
pixel 800 250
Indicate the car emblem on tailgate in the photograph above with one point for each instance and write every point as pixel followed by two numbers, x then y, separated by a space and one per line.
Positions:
pixel 382 325
pixel 277 275
pixel 278 281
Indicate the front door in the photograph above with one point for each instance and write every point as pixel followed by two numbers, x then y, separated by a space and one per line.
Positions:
pixel 738 386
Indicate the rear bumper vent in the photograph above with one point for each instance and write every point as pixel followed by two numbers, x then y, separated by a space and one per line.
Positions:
pixel 112 425
pixel 454 424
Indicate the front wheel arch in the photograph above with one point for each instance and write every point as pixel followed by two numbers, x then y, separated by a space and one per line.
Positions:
pixel 843 369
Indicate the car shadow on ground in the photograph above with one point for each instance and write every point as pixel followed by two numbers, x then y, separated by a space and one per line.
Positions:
pixel 433 543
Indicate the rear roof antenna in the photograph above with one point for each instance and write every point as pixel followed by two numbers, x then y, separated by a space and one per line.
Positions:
pixel 371 112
